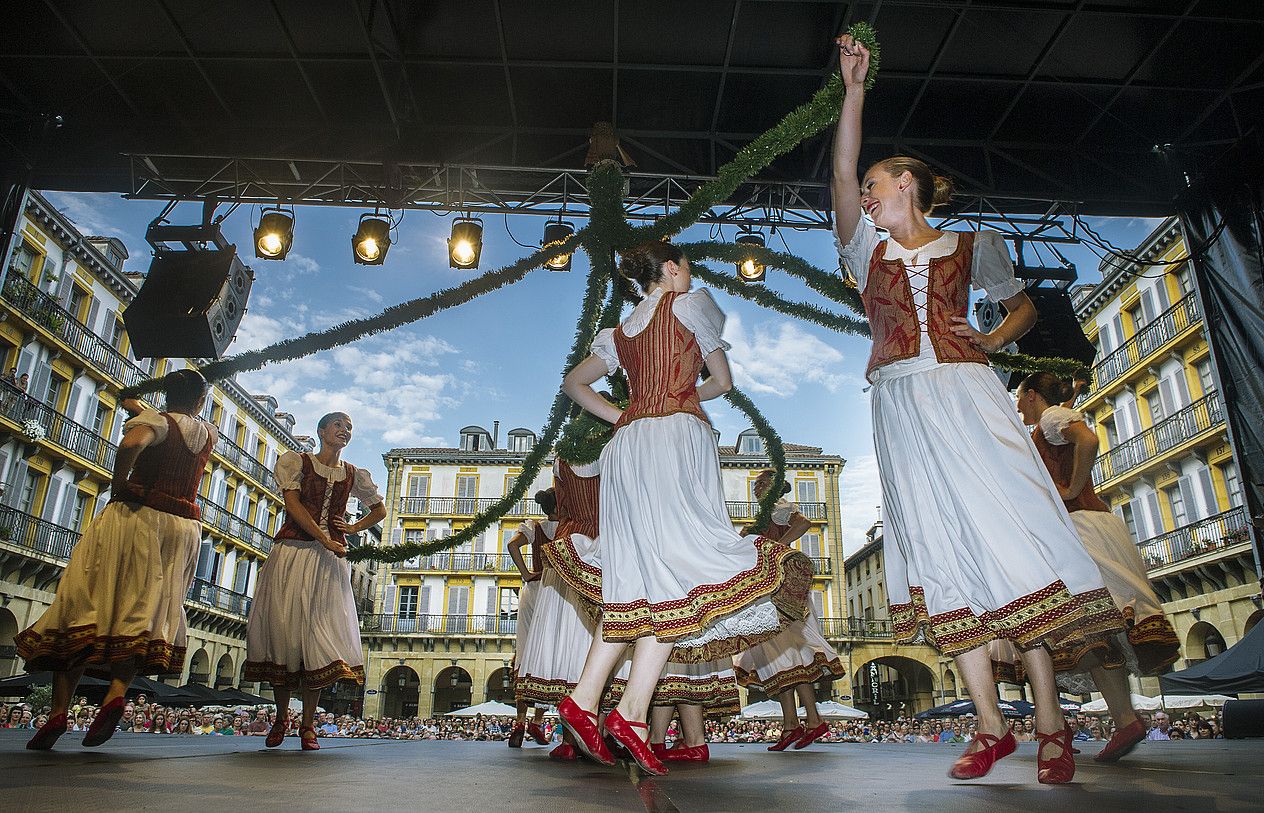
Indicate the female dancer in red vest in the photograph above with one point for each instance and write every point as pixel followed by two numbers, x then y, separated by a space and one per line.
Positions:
pixel 786 666
pixel 1068 448
pixel 982 547
pixel 119 609
pixel 303 632
pixel 535 535
pixel 673 573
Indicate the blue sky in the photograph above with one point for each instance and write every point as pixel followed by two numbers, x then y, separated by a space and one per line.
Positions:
pixel 499 357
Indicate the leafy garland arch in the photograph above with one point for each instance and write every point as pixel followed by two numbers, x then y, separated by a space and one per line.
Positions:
pixel 605 293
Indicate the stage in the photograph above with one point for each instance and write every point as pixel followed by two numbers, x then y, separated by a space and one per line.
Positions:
pixel 136 772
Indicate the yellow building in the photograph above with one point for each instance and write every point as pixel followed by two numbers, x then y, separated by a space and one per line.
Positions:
pixel 60 326
pixel 443 634
pixel 1166 466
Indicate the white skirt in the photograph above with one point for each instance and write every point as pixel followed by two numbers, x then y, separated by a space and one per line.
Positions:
pixel 979 545
pixel 303 631
pixel 552 655
pixel 121 596
pixel 670 564
pixel 526 609
pixel 798 654
pixel 710 684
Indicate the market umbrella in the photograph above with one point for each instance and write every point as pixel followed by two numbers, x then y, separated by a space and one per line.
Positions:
pixel 21 685
pixel 960 708
pixel 489 709
pixel 1139 702
pixel 1240 668
pixel 191 694
pixel 233 696
pixel 1194 701
pixel 830 710
pixel 763 710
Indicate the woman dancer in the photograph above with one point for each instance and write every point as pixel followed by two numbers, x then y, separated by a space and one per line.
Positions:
pixel 535 534
pixel 303 632
pixel 673 572
pixel 786 666
pixel 983 548
pixel 119 608
pixel 694 692
pixel 1068 448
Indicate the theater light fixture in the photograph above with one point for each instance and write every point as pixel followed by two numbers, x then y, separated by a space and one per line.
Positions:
pixel 749 269
pixel 372 239
pixel 556 233
pixel 466 243
pixel 275 234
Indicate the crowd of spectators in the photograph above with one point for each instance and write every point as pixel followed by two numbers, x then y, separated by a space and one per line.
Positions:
pixel 143 717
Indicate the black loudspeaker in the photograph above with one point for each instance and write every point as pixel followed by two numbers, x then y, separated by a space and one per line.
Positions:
pixel 1243 718
pixel 1057 332
pixel 190 304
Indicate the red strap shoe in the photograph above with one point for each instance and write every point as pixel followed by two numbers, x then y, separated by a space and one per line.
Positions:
pixel 583 727
pixel 1122 742
pixel 516 735
pixel 623 732
pixel 977 764
pixel 788 736
pixel 105 723
pixel 659 748
pixel 537 733
pixel 276 734
pixel 564 752
pixel 699 754
pixel 812 736
pixel 307 736
pixel 48 733
pixel 1060 769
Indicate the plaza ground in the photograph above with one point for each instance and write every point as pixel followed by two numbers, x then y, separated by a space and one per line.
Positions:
pixel 143 772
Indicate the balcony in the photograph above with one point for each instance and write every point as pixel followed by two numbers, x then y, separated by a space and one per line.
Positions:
pixel 457 561
pixel 1200 417
pixel 1216 532
pixel 482 625
pixel 233 526
pixel 462 506
pixel 219 598
pixel 822 565
pixel 857 628
pixel 747 510
pixel 59 430
pixel 1167 326
pixel 247 462
pixel 29 531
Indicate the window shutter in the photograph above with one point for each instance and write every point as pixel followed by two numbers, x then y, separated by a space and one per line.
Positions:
pixel 66 516
pixel 13 486
pixel 51 495
pixel 818 603
pixel 490 608
pixel 1211 505
pixel 1161 299
pixel 1148 311
pixel 423 602
pixel 93 308
pixel 107 326
pixel 396 535
pixel 389 606
pixel 1167 395
pixel 38 387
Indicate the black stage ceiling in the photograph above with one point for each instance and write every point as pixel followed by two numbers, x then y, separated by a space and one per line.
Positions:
pixel 1056 99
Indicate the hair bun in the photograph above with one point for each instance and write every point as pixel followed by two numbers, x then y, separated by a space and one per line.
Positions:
pixel 637 265
pixel 943 191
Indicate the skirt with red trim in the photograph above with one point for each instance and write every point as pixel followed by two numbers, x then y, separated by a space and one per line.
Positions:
pixel 798 655
pixel 551 655
pixel 711 685
pixel 121 596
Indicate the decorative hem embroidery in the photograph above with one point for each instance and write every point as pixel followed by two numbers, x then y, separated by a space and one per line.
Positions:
pixel 62 650
pixel 821 666
pixel 280 676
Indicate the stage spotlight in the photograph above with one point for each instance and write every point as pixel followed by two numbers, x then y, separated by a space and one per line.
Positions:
pixel 556 233
pixel 466 243
pixel 749 269
pixel 371 239
pixel 274 235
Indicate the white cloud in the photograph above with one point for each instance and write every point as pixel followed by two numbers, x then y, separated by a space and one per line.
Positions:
pixel 368 293
pixel 776 357
pixel 861 496
pixel 89 212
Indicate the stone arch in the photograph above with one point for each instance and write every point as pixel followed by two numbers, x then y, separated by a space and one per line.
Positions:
pixel 224 672
pixel 500 686
pixel 950 685
pixel 401 688
pixel 1251 620
pixel 1203 641
pixel 8 632
pixel 453 689
pixel 200 668
pixel 892 686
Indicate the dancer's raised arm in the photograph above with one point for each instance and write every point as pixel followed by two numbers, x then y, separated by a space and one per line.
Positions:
pixel 853 59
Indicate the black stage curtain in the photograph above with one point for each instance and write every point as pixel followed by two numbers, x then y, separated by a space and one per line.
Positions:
pixel 1222 212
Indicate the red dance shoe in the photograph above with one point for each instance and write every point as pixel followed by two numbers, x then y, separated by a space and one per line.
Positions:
pixel 1122 742
pixel 515 736
pixel 623 732
pixel 276 734
pixel 537 733
pixel 564 752
pixel 812 736
pixel 105 723
pixel 977 765
pixel 788 736
pixel 659 748
pixel 699 754
pixel 1060 769
pixel 583 727
pixel 307 736
pixel 48 733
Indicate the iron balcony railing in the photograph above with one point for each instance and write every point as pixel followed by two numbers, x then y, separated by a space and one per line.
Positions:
pixel 822 565
pixel 245 461
pixel 29 531
pixel 422 624
pixel 212 595
pixel 1165 327
pixel 228 523
pixel 58 429
pixel 461 561
pixel 856 628
pixel 1204 536
pixel 1199 417
pixel 748 510
pixel 463 506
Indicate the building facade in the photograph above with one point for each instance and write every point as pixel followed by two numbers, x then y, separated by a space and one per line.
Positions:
pixel 61 328
pixel 443 633
pixel 1166 466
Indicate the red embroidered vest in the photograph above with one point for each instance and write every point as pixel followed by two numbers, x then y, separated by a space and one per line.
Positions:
pixel 578 499
pixel 663 362
pixel 1060 460
pixel 166 475
pixel 893 321
pixel 311 493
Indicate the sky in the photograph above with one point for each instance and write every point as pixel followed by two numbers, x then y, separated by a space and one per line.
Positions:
pixel 499 357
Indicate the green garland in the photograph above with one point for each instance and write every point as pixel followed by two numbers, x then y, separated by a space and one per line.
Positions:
pixel 1023 363
pixel 828 285
pixel 776 453
pixel 761 295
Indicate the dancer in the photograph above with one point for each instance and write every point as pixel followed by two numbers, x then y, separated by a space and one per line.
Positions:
pixel 673 573
pixel 535 534
pixel 303 632
pixel 786 666
pixel 981 548
pixel 119 609
pixel 694 692
pixel 1150 645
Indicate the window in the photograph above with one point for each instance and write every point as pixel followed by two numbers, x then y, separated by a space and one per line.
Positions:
pixel 1176 501
pixel 24 261
pixel 99 418
pixel 1157 412
pixel 458 608
pixel 475 441
pixel 408 601
pixel 78 302
pixel 418 490
pixel 466 493
pixel 750 443
pixel 30 490
pixel 207 561
pixel 1185 280
pixel 56 387
pixel 521 443
pixel 81 511
pixel 241 576
pixel 1124 512
pixel 1233 484
pixel 818 602
pixel 1205 378
pixel 805 491
pixel 114 327
pixel 1207 492
pixel 810 544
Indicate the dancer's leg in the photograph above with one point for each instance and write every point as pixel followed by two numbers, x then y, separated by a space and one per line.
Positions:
pixel 789 710
pixel 660 721
pixel 1113 684
pixel 692 728
pixel 64 685
pixel 602 658
pixel 975 668
pixel 121 675
pixel 311 698
pixel 522 713
pixel 1039 666
pixel 807 696
pixel 649 656
pixel 539 715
